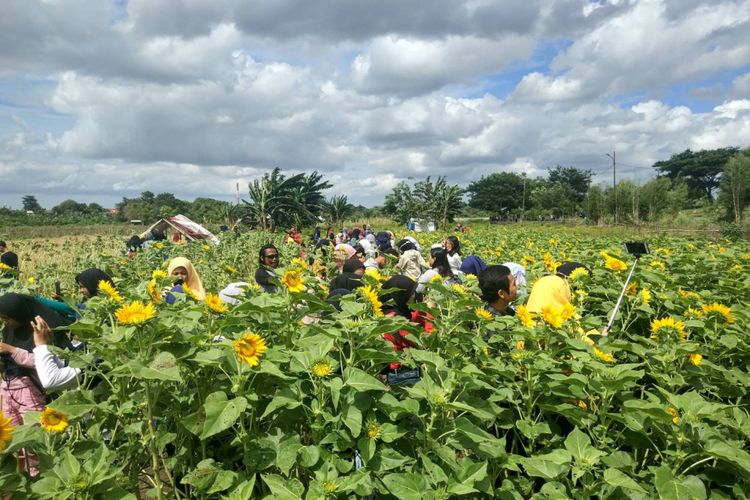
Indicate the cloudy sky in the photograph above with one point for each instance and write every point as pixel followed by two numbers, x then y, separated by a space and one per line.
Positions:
pixel 105 99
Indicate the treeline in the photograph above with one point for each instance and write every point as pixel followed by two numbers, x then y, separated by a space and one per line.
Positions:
pixel 718 178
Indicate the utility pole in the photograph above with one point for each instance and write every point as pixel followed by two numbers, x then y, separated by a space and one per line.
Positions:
pixel 238 193
pixel 614 182
pixel 523 201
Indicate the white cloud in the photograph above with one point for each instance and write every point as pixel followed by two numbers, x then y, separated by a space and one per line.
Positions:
pixel 192 97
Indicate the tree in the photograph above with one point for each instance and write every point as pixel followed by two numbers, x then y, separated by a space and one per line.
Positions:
pixel 497 193
pixel 701 170
pixel 735 185
pixel 653 199
pixel 70 207
pixel 554 197
pixel 438 201
pixel 338 208
pixel 30 204
pixel 578 180
pixel 277 200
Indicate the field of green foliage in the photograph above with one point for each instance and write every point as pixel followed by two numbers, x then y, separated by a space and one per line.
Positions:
pixel 280 396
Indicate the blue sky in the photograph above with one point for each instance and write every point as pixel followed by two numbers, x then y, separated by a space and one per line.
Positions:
pixel 106 100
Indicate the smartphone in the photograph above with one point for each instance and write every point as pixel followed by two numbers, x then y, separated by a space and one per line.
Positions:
pixel 636 248
pixel 58 289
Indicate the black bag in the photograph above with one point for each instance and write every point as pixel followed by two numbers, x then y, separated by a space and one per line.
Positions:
pixel 403 377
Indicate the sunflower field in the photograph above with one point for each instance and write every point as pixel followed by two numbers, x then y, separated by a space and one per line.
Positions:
pixel 281 396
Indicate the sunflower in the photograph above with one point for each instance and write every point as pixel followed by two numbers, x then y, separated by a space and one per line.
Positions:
pixel 632 288
pixel 549 262
pixel 614 264
pixel 293 281
pixel 662 328
pixel 206 247
pixel 578 273
pixel 230 269
pixel 6 431
pixel 657 265
pixel 53 420
pixel 483 313
pixel 720 310
pixel 525 317
pixel 5 267
pixel 371 295
pixel 696 359
pixel 436 278
pixel 30 280
pixel 374 274
pixel 567 311
pixel 691 311
pixel 604 356
pixel 158 273
pixel 322 369
pixel 582 404
pixel 687 294
pixel 250 347
pixel 153 291
pixel 330 486
pixel 110 291
pixel 296 261
pixel 552 316
pixel 215 304
pixel 645 296
pixel 189 292
pixel 373 430
pixel 458 288
pixel 135 313
pixel 675 414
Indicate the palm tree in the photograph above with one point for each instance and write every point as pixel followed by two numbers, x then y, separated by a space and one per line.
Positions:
pixel 277 200
pixel 338 208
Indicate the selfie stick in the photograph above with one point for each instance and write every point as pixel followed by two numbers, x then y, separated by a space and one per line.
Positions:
pixel 622 294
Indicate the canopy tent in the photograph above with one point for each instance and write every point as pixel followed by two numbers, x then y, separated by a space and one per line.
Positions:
pixel 189 229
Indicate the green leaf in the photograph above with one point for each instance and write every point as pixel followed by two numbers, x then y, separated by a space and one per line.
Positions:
pixel 163 367
pixel 68 467
pixel 75 403
pixel 286 398
pixel 242 491
pixel 579 445
pixel 220 413
pixel 619 479
pixel 549 466
pixel 735 456
pixel 209 478
pixel 283 488
pixel 309 455
pixel 361 381
pixel 352 418
pixel 406 486
pixel 677 488
pixel 335 385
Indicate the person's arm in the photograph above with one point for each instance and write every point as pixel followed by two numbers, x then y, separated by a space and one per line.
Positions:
pixel 50 370
pixel 422 263
pixel 51 374
pixel 21 357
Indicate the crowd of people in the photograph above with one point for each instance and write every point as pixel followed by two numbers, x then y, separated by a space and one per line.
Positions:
pixel 30 372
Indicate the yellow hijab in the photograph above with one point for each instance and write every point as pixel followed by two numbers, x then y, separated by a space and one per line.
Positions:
pixel 550 290
pixel 193 281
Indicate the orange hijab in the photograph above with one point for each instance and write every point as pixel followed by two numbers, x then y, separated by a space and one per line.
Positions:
pixel 193 281
pixel 550 290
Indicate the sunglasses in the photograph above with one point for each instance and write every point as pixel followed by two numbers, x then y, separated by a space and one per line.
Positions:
pixel 274 256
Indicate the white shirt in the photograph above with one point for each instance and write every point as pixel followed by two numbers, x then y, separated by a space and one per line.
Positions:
pixel 52 372
pixel 455 262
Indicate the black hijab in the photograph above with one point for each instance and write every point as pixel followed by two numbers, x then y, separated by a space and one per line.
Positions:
pixel 351 265
pixel 24 308
pixel 347 281
pixel 90 279
pixel 9 259
pixel 396 294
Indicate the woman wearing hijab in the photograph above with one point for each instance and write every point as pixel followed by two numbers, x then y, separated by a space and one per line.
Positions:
pixel 88 282
pixel 268 260
pixel 353 266
pixel 453 247
pixel 439 266
pixel 473 265
pixel 411 263
pixel 341 253
pixel 21 389
pixel 183 272
pixel 552 290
